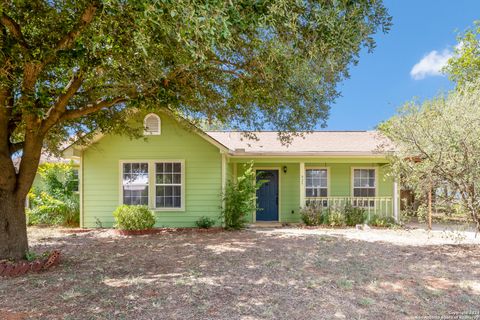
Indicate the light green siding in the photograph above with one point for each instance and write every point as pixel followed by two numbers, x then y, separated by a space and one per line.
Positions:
pixel 203 175
pixel 101 174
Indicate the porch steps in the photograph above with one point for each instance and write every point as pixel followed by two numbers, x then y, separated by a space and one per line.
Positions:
pixel 267 224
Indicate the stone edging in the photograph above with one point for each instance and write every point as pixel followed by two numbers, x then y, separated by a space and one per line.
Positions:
pixel 13 269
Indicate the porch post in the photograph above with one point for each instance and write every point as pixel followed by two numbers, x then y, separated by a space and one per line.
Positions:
pixel 302 184
pixel 224 182
pixel 224 175
pixel 395 200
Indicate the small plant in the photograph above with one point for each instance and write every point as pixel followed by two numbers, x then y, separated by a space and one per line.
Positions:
pixel 31 256
pixel 240 199
pixel 311 216
pixel 133 218
pixel 205 222
pixel 345 284
pixel 381 221
pixel 365 302
pixel 354 215
pixel 336 218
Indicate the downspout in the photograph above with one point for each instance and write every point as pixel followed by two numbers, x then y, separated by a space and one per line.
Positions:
pixel 80 182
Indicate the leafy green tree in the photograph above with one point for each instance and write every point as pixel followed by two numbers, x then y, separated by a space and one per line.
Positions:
pixel 70 68
pixel 438 143
pixel 464 66
pixel 240 198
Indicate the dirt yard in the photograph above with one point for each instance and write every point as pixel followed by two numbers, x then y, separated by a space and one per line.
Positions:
pixel 284 273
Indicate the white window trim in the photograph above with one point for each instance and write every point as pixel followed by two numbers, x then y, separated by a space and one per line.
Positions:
pixel 182 187
pixel 352 180
pixel 151 182
pixel 328 180
pixel 149 133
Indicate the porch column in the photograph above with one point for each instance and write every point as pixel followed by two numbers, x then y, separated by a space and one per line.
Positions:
pixel 395 200
pixel 224 175
pixel 302 184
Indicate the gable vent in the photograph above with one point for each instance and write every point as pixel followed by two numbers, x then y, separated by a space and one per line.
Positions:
pixel 151 124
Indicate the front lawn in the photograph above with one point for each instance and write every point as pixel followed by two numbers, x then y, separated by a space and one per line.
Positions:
pixel 253 274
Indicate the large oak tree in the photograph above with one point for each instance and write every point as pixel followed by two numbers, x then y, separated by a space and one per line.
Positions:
pixel 73 67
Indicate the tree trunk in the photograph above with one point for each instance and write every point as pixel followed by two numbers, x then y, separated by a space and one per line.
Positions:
pixel 13 227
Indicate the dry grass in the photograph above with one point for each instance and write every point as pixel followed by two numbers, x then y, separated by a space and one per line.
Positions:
pixel 243 275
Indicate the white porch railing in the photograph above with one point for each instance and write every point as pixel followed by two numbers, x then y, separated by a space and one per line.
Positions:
pixel 382 206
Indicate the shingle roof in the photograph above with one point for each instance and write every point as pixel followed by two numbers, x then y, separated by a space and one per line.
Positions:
pixel 313 143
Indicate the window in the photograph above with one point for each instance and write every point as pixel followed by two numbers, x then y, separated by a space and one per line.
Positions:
pixel 75 180
pixel 151 124
pixel 364 183
pixel 135 183
pixel 168 185
pixel 316 183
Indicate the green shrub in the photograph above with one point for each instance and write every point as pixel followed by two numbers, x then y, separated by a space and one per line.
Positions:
pixel 205 222
pixel 381 221
pixel 52 211
pixel 336 218
pixel 311 216
pixel 329 216
pixel 240 199
pixel 133 218
pixel 354 215
pixel 54 201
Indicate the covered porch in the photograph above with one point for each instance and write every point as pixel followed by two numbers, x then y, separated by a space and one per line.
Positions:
pixel 320 182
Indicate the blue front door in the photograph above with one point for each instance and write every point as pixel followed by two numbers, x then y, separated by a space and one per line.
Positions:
pixel 267 195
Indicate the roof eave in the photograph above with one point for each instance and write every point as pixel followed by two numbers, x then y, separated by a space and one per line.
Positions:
pixel 309 154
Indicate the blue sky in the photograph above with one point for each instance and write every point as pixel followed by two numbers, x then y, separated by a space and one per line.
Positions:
pixel 382 81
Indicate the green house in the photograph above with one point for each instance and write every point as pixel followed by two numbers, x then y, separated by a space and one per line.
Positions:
pixel 180 171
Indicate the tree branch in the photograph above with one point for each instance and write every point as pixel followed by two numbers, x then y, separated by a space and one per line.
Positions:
pixel 58 108
pixel 14 29
pixel 67 41
pixel 91 108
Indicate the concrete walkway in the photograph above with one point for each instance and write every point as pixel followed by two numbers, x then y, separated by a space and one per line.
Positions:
pixel 401 236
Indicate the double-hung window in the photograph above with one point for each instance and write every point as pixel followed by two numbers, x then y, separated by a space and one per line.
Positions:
pixel 75 180
pixel 316 183
pixel 364 186
pixel 168 185
pixel 135 183
pixel 157 184
pixel 316 186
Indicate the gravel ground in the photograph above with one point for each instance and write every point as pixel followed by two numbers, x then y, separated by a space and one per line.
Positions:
pixel 285 273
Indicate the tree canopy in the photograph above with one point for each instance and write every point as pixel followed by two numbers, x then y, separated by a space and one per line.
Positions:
pixel 437 143
pixel 246 63
pixel 464 66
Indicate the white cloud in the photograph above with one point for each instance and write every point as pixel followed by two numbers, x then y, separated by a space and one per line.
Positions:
pixel 431 64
